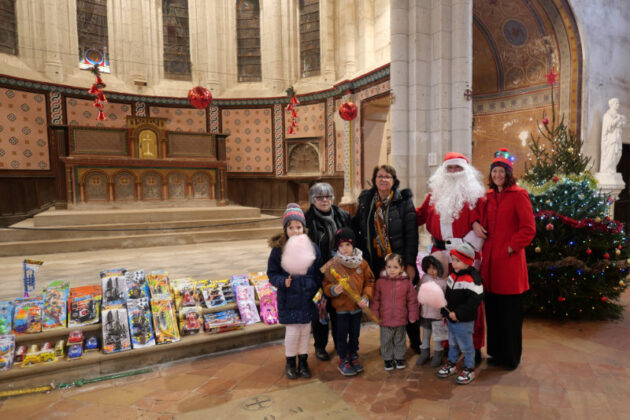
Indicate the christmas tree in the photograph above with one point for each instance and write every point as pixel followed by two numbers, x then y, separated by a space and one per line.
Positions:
pixel 578 261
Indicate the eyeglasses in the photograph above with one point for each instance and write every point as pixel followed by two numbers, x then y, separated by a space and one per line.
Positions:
pixel 323 197
pixel 384 177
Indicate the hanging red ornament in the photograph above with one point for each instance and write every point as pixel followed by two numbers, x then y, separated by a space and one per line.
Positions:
pixel 545 120
pixel 293 101
pixel 589 251
pixel 199 97
pixel 348 111
pixel 101 116
pixel 549 226
pixel 606 256
pixel 555 179
pixel 97 90
pixel 604 299
pixel 561 298
pixel 619 247
pixel 552 77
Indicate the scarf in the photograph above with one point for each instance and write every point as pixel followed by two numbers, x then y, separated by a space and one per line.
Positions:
pixel 381 240
pixel 330 227
pixel 351 261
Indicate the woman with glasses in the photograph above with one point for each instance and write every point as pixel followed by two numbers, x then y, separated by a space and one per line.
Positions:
pixel 385 223
pixel 323 219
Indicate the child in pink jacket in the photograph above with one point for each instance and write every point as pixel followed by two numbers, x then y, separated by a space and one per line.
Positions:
pixel 395 303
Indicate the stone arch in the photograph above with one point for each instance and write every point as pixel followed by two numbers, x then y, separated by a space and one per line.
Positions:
pixel 124 186
pixel 303 158
pixel 151 185
pixel 96 186
pixel 176 182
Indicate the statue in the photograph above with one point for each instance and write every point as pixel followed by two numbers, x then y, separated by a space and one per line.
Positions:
pixel 611 138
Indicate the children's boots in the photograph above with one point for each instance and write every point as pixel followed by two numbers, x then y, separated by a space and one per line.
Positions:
pixel 436 360
pixel 423 358
pixel 303 369
pixel 290 368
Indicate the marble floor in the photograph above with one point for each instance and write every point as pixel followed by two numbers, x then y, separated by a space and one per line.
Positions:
pixel 569 370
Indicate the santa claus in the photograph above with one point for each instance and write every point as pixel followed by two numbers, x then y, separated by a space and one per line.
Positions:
pixel 452 213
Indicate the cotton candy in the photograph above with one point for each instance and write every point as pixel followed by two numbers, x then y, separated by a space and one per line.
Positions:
pixel 298 255
pixel 431 294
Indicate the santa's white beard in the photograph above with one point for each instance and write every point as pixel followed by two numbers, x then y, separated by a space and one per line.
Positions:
pixel 451 191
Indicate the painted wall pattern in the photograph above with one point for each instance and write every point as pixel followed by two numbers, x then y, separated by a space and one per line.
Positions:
pixel 23 131
pixel 82 112
pixel 141 109
pixel 56 111
pixel 181 119
pixel 248 147
pixel 310 121
pixel 339 138
pixel 330 137
pixel 214 119
pixel 278 140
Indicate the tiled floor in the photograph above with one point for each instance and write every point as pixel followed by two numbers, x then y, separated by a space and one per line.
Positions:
pixel 569 370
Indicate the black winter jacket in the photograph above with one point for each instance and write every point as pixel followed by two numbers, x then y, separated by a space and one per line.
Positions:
pixel 295 303
pixel 317 231
pixel 402 226
pixel 464 291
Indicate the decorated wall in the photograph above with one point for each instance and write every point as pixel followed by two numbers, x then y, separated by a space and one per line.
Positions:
pixel 249 144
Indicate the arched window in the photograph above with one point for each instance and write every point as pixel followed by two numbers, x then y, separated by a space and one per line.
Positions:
pixel 176 40
pixel 8 34
pixel 248 40
pixel 309 38
pixel 92 32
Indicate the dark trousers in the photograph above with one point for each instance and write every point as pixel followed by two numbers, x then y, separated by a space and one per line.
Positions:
pixel 504 322
pixel 347 333
pixel 413 332
pixel 320 331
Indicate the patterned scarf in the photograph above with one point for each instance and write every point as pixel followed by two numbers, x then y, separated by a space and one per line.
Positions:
pixel 381 241
pixel 351 261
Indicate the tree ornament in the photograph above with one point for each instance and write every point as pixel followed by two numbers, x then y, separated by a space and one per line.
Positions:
pixel 570 150
pixel 589 251
pixel 598 219
pixel 604 299
pixel 545 120
pixel 561 298
pixel 549 226
pixel 606 256
pixel 97 90
pixel 537 250
pixel 622 283
pixel 200 97
pixel 617 252
pixel 348 111
pixel 555 179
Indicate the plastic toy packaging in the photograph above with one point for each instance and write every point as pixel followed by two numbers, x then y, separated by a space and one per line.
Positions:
pixel 239 280
pixel 84 306
pixel 115 326
pixel 159 284
pixel 219 322
pixel 114 290
pixel 113 272
pixel 164 321
pixel 247 304
pixel 213 295
pixel 55 304
pixel 226 289
pixel 184 292
pixel 6 317
pixel 137 286
pixel 139 312
pixel 190 320
pixel 7 350
pixel 267 296
pixel 200 285
pixel 27 315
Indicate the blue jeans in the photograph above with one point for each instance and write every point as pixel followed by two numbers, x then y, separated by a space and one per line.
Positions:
pixel 460 338
pixel 348 329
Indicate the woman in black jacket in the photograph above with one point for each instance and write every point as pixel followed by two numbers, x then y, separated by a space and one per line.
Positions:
pixel 385 222
pixel 323 219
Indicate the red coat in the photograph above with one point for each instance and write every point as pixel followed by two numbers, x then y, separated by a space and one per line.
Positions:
pixel 510 222
pixel 460 227
pixel 395 301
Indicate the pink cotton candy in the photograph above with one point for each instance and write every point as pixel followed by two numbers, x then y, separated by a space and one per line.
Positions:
pixel 298 255
pixel 431 294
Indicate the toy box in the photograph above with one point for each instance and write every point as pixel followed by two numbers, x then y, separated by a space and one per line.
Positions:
pixel 114 290
pixel 84 306
pixel 159 284
pixel 139 312
pixel 55 303
pixel 116 335
pixel 246 301
pixel 267 296
pixel 27 315
pixel 184 292
pixel 164 321
pixel 224 321
pixel 213 295
pixel 137 286
pixel 190 321
pixel 6 317
pixel 113 272
pixel 7 349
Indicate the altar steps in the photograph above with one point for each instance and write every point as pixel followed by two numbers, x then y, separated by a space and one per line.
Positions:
pixel 86 230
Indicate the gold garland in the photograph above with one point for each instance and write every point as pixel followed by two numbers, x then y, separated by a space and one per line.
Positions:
pixel 543 188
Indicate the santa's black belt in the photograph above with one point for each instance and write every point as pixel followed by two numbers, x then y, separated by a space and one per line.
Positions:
pixel 439 244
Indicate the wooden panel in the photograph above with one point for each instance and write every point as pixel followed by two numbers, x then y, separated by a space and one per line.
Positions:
pixel 98 141
pixel 25 196
pixel 190 145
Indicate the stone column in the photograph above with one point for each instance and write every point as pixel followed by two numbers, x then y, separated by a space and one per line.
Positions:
pixel 272 50
pixel 327 37
pixel 461 76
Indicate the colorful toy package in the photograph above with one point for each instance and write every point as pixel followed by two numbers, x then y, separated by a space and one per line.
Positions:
pixel 7 349
pixel 84 305
pixel 55 304
pixel 223 321
pixel 184 292
pixel 113 272
pixel 239 280
pixel 213 295
pixel 116 336
pixel 226 289
pixel 190 320
pixel 164 321
pixel 114 290
pixel 267 296
pixel 137 286
pixel 6 317
pixel 139 312
pixel 159 284
pixel 27 315
pixel 246 300
pixel 200 285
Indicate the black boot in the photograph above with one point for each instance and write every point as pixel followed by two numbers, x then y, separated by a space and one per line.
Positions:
pixel 290 369
pixel 303 369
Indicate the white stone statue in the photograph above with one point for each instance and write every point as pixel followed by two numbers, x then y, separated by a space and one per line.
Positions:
pixel 611 137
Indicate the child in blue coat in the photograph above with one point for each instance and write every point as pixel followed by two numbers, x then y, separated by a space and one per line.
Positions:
pixel 296 308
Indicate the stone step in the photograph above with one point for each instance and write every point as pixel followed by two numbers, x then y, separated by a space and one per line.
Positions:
pixel 78 217
pixel 50 246
pixel 26 231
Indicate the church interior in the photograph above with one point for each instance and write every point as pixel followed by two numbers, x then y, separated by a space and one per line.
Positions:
pixel 171 134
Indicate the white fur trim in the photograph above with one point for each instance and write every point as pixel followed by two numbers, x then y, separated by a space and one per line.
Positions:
pixel 474 240
pixel 457 161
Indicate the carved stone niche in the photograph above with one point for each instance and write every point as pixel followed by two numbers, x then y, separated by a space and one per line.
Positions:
pixel 304 156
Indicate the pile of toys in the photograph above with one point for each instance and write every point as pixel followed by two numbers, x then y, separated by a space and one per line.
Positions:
pixel 135 311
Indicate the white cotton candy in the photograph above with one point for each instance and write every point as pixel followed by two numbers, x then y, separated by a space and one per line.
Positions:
pixel 298 255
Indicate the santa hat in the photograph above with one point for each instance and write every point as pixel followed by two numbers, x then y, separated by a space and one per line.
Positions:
pixel 465 253
pixel 454 158
pixel 504 159
pixel 293 212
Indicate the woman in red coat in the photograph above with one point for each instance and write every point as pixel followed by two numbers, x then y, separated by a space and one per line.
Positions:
pixel 510 228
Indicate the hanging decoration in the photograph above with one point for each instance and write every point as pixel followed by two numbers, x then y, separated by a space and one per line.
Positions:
pixel 199 97
pixel 348 111
pixel 291 108
pixel 97 90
